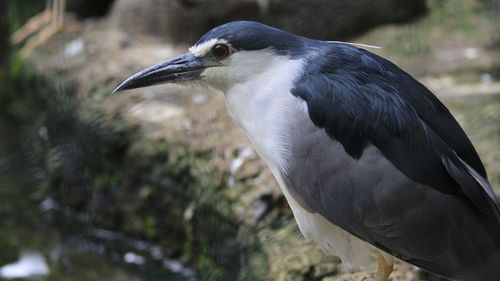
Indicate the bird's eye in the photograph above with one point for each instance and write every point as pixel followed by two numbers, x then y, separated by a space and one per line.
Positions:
pixel 220 51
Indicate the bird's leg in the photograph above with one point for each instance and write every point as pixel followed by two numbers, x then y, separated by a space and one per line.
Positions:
pixel 385 266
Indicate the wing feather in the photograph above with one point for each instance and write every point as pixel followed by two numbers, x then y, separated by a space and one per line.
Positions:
pixel 359 98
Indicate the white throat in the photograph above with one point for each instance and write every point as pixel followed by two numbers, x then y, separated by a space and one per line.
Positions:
pixel 262 105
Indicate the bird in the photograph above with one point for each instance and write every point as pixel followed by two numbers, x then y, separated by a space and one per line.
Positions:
pixel 373 166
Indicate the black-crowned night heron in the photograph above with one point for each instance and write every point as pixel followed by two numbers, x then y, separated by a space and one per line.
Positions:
pixel 369 160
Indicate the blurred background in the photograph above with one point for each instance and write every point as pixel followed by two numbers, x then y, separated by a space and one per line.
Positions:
pixel 158 183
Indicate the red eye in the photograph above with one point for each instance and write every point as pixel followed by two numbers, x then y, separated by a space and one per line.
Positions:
pixel 220 51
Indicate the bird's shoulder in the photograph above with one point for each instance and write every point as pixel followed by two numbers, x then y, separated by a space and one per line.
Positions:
pixel 361 99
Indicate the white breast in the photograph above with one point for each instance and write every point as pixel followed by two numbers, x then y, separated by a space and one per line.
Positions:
pixel 261 103
pixel 262 106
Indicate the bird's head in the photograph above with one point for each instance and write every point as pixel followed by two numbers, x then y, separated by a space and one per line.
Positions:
pixel 228 54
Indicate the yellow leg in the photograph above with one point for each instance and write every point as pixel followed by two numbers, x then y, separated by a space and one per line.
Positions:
pixel 385 266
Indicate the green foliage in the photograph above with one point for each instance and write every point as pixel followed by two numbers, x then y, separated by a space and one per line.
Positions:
pixel 150 227
pixel 20 145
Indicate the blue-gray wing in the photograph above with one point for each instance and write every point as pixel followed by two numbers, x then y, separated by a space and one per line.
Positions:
pixel 359 98
pixel 386 161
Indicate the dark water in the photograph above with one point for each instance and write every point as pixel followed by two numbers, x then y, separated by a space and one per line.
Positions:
pixel 40 240
pixel 33 252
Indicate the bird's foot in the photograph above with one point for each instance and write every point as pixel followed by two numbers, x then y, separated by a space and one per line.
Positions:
pixel 385 267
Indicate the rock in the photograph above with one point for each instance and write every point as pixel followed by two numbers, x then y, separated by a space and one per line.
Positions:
pixel 184 21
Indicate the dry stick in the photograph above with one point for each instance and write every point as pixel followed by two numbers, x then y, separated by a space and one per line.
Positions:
pixel 58 7
pixel 33 25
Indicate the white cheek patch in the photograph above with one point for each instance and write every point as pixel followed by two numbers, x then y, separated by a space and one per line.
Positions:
pixel 210 74
pixel 203 48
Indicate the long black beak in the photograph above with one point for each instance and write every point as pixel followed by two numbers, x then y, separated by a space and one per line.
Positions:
pixel 186 67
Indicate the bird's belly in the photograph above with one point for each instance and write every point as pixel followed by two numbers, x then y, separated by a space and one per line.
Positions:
pixel 332 239
pixel 274 136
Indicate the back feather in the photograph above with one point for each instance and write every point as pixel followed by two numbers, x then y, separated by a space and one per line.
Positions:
pixel 359 98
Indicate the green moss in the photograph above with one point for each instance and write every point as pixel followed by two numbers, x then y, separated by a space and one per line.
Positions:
pixel 150 229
